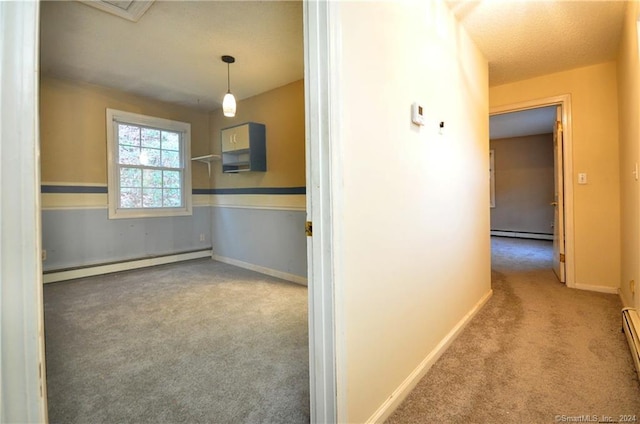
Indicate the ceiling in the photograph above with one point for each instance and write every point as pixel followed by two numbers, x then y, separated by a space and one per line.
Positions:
pixel 173 52
pixel 522 123
pixel 524 39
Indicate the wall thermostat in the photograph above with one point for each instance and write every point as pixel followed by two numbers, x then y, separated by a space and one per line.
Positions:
pixel 417 114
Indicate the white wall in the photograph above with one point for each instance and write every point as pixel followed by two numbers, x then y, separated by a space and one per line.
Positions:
pixel 412 240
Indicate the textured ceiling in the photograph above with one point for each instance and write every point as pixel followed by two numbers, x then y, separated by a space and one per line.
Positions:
pixel 523 39
pixel 173 52
pixel 522 123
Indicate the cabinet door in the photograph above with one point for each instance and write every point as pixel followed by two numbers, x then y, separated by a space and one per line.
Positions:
pixel 236 138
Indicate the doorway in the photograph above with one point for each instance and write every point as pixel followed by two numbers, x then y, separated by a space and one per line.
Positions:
pixel 20 88
pixel 555 206
pixel 247 213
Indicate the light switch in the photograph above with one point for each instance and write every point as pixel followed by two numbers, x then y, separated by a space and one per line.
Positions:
pixel 582 178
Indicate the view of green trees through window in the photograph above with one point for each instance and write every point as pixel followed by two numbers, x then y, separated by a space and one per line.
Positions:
pixel 150 167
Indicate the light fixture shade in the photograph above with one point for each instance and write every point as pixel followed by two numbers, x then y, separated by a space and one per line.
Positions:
pixel 229 105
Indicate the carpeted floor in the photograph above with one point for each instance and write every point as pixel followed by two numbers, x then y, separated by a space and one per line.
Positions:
pixel 193 342
pixel 538 352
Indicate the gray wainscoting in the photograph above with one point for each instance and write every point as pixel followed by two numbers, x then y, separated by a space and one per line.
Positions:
pixel 273 239
pixel 83 237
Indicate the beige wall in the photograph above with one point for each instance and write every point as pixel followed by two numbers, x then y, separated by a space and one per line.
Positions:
pixel 411 209
pixel 524 184
pixel 596 217
pixel 628 95
pixel 282 112
pixel 73 130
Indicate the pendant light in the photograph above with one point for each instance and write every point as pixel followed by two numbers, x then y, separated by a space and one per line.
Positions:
pixel 229 102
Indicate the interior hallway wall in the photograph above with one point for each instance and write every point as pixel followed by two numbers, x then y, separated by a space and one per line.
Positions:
pixel 596 219
pixel 524 188
pixel 412 247
pixel 628 98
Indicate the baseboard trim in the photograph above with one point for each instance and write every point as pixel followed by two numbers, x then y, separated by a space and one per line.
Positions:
pixel 71 274
pixel 519 234
pixel 600 289
pixel 386 409
pixel 263 270
pixel 623 300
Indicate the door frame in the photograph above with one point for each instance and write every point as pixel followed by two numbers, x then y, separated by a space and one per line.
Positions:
pixel 24 372
pixel 322 129
pixel 563 100
pixel 23 391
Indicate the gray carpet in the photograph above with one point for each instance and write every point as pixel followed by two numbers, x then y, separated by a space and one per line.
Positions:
pixel 536 352
pixel 194 342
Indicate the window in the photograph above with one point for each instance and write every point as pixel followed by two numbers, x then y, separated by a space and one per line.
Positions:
pixel 149 166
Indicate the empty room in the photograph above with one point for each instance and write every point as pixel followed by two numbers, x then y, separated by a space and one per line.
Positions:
pixel 174 252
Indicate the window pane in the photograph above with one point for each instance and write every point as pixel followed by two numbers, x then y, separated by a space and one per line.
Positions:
pixel 170 140
pixel 130 198
pixel 172 198
pixel 129 155
pixel 170 159
pixel 152 178
pixel 152 197
pixel 129 134
pixel 150 138
pixel 150 157
pixel 130 177
pixel 171 179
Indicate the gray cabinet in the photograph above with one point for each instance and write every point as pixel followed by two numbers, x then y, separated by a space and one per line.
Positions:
pixel 244 148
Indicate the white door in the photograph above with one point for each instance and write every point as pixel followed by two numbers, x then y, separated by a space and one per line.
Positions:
pixel 558 201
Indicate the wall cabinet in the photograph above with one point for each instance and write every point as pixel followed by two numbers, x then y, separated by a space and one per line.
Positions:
pixel 244 148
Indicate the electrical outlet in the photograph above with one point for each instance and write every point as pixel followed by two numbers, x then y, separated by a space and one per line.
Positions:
pixel 632 286
pixel 202 237
pixel 44 254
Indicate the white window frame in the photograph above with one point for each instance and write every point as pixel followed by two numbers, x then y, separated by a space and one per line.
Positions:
pixel 117 116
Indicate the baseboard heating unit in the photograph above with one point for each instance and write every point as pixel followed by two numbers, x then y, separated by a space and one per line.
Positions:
pixel 631 327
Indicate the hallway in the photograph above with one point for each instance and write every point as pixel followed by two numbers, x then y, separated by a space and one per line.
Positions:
pixel 536 352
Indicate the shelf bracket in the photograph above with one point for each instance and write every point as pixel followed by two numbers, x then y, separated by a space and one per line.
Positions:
pixel 207 159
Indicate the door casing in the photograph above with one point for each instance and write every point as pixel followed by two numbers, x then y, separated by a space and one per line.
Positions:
pixel 564 101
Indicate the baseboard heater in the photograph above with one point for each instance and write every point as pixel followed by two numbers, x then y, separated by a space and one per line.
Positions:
pixel 52 276
pixel 521 234
pixel 631 327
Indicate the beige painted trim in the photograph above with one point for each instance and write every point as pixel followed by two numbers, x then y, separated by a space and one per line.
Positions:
pixel 262 270
pixel 123 266
pixel 398 395
pixel 599 289
pixel 623 300
pixel 260 201
pixel 72 201
pixel 565 101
